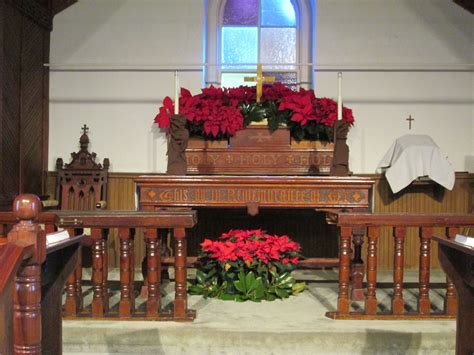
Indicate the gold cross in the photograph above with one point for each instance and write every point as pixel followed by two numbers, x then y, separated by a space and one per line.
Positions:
pixel 260 79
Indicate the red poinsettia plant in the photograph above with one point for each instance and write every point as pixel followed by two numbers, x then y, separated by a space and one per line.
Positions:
pixel 218 113
pixel 247 265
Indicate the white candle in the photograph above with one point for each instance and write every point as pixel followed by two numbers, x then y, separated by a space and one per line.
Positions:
pixel 339 96
pixel 176 93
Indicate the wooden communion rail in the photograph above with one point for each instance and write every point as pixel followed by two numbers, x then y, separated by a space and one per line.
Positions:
pixel 100 223
pixel 127 221
pixel 354 227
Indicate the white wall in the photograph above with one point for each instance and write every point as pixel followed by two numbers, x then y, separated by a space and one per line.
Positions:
pixel 119 107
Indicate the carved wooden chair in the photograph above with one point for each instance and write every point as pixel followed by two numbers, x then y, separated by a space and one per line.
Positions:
pixel 82 184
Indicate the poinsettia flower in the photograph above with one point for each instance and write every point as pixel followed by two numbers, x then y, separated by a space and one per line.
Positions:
pixel 163 117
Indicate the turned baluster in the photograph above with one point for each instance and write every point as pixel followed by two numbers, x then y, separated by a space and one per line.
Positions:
pixel 97 273
pixel 73 303
pixel 153 272
pixel 180 299
pixel 371 299
pixel 105 269
pixel 399 234
pixel 131 249
pixel 450 302
pixel 424 303
pixel 27 289
pixel 344 270
pixel 357 264
pixel 126 271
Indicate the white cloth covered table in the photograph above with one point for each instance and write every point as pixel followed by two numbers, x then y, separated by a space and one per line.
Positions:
pixel 414 156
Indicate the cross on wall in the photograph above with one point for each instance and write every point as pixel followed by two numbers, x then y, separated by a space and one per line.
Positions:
pixel 409 119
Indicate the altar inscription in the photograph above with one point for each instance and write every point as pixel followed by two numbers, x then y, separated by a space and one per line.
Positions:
pixel 262 191
pixel 263 196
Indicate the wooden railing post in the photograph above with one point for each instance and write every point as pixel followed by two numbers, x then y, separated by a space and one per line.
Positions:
pixel 399 234
pixel 73 303
pixel 27 293
pixel 98 305
pixel 424 304
pixel 343 302
pixel 153 272
pixel 180 301
pixel 126 271
pixel 371 299
pixel 450 302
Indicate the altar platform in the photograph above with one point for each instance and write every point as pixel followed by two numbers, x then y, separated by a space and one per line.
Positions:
pixel 294 326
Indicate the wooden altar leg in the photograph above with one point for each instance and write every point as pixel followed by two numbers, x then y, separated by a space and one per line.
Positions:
pixel 371 299
pixel 451 303
pixel 153 263
pixel 357 265
pixel 424 304
pixel 27 310
pixel 180 308
pixel 344 270
pixel 126 271
pixel 398 262
pixel 97 274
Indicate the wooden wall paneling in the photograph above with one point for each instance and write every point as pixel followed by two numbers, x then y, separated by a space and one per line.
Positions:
pixel 11 69
pixel 32 101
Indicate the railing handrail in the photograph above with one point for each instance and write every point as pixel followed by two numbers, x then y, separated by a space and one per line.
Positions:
pixel 127 219
pixel 401 219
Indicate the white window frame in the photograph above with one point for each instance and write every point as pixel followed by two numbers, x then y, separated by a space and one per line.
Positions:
pixel 305 18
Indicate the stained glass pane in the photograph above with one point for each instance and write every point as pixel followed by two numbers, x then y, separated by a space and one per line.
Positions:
pixel 232 80
pixel 278 46
pixel 278 13
pixel 241 13
pixel 239 45
pixel 290 79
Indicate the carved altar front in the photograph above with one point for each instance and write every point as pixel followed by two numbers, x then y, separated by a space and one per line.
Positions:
pixel 253 192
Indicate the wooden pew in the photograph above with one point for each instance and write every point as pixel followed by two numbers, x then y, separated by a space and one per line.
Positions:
pixel 31 283
pixel 458 262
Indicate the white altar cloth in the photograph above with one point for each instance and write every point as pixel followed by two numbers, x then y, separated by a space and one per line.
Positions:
pixel 414 156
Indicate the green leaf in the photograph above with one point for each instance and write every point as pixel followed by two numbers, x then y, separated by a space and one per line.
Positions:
pixel 282 293
pixel 240 286
pixel 249 280
pixel 201 277
pixel 227 297
pixel 298 288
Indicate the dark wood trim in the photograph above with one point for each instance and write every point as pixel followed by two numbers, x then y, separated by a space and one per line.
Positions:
pixel 38 13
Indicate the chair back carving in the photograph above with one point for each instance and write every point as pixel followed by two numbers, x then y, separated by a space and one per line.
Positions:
pixel 82 184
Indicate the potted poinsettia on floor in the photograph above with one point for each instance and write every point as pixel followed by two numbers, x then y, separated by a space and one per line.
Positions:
pixel 247 265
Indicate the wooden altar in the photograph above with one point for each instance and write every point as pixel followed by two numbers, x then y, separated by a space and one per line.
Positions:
pixel 255 192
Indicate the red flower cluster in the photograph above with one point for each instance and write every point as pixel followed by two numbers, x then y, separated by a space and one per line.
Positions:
pixel 252 245
pixel 216 112
pixel 307 107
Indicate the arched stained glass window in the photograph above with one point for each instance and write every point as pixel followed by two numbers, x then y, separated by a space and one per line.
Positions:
pixel 258 31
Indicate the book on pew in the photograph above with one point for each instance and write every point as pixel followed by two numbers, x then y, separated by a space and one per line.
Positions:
pixel 464 240
pixel 56 237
